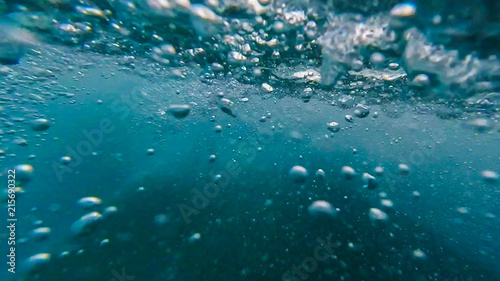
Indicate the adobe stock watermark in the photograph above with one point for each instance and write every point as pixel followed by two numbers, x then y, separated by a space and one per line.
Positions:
pixel 248 149
pixel 310 264
pixel 94 137
pixel 121 276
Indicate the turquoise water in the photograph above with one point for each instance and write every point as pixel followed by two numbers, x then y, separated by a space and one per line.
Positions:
pixel 177 145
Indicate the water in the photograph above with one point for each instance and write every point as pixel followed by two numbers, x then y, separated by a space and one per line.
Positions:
pixel 250 140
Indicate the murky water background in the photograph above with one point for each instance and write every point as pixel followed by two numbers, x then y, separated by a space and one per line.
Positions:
pixel 245 140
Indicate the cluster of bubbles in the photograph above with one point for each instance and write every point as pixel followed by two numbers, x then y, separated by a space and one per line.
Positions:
pixel 323 43
pixel 322 209
pixel 83 226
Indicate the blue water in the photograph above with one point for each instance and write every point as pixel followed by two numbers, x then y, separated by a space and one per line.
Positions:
pixel 184 199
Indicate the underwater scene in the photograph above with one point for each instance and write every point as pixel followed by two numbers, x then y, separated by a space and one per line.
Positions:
pixel 287 140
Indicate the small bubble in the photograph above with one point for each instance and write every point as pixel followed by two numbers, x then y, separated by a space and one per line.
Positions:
pixel 179 111
pixel 194 238
pixel 416 194
pixel 403 169
pixel 89 202
pixel 320 174
pixel 404 10
pixel 386 203
pixel 489 176
pixel 85 225
pixel 40 124
pixel 377 215
pixel 212 158
pixel 361 111
pixel 321 208
pixel 419 254
pixel 348 172
pixel 298 174
pixel 41 233
pixel 65 160
pixel 370 181
pixel 37 261
pixel 333 127
pixel 268 88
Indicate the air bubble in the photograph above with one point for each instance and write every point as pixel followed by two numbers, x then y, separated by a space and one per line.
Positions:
pixel 321 208
pixel 298 174
pixel 179 110
pixel 348 172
